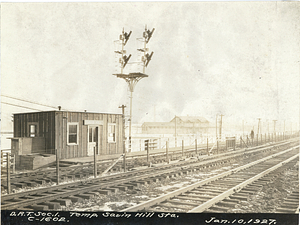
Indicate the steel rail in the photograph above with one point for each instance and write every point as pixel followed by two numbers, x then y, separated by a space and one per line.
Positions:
pixel 195 162
pixel 238 187
pixel 179 165
pixel 72 170
pixel 88 188
pixel 149 203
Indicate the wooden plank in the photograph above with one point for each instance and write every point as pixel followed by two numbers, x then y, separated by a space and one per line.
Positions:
pixel 63 130
pixel 23 126
pixel 79 148
pixel 55 118
pixel 16 126
pixel 52 131
pixel 59 126
pixel 105 148
pixel 82 134
pixel 120 134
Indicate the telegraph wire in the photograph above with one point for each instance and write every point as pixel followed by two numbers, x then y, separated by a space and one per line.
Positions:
pixel 20 106
pixel 29 101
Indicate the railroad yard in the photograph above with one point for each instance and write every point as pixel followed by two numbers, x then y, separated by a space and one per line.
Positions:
pixel 260 178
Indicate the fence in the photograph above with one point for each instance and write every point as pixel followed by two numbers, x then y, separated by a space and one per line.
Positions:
pixel 7 161
pixel 138 143
pixel 6 154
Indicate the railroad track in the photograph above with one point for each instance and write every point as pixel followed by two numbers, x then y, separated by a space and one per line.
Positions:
pixel 81 172
pixel 71 171
pixel 55 196
pixel 290 204
pixel 223 191
pixel 71 174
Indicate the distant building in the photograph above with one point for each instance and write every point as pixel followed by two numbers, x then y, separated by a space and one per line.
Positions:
pixel 178 125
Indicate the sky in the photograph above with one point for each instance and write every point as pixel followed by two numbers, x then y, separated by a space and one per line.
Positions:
pixel 239 59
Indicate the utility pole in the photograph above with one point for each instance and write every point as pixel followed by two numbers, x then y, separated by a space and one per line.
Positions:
pixel 133 78
pixel 123 108
pixel 258 126
pixel 221 126
pixel 124 149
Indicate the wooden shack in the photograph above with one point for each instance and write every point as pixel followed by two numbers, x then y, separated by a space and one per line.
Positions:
pixel 73 134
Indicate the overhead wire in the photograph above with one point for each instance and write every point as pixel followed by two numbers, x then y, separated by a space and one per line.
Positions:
pixel 29 101
pixel 25 107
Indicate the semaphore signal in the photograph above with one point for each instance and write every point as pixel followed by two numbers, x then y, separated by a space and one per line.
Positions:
pixel 133 77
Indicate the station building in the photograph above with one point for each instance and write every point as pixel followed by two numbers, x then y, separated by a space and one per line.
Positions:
pixel 72 134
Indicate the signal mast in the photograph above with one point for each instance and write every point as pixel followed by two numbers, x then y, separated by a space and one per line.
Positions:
pixel 134 77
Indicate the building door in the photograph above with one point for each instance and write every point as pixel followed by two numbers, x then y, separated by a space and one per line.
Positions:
pixel 93 140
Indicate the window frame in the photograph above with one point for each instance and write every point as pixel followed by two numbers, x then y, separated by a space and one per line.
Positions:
pixel 108 133
pixel 36 124
pixel 77 133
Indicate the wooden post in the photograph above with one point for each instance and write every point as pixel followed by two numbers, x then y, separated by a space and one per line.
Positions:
pixel 167 152
pixel 257 140
pixel 95 163
pixel 241 142
pixel 57 167
pixel 207 146
pixel 182 147
pixel 247 140
pixel 234 144
pixel 196 146
pixel 261 139
pixel 8 172
pixel 124 140
pixel 124 160
pixel 217 146
pixel 14 164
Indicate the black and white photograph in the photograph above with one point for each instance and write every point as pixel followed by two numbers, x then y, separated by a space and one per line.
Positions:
pixel 150 112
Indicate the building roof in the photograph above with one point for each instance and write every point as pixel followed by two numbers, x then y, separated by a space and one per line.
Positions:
pixel 191 119
pixel 64 111
pixel 157 124
pixel 184 119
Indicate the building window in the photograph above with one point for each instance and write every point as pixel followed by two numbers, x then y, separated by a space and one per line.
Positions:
pixel 111 132
pixel 33 129
pixel 93 134
pixel 72 133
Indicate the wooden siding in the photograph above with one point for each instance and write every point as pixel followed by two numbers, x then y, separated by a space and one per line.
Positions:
pixel 53 126
pixel 45 123
pixel 81 148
